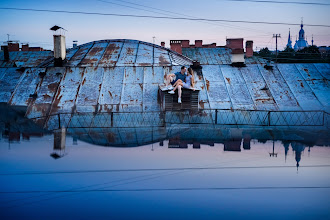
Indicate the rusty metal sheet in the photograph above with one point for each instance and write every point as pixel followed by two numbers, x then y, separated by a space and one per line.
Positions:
pixel 8 83
pixel 111 54
pixel 27 87
pixel 188 53
pixel 215 57
pixel 144 55
pixel 128 54
pixel 308 71
pixel 94 54
pixel 133 74
pixel 111 89
pixel 161 57
pixel 324 69
pixel 46 92
pixel 261 96
pixel 299 87
pixel 89 91
pixel 321 90
pixel 215 87
pixel 132 94
pixel 71 52
pixel 150 94
pixel 79 55
pixel 66 95
pixel 279 89
pixel 237 89
pixel 154 75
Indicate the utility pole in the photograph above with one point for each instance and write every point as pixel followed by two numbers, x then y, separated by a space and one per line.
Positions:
pixel 8 37
pixel 276 36
pixel 153 39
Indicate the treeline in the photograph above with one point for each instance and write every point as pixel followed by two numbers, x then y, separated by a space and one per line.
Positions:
pixel 311 54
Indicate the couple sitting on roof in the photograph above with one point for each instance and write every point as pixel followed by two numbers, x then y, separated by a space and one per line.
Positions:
pixel 179 80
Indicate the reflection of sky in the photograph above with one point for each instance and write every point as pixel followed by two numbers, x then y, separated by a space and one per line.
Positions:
pixel 203 202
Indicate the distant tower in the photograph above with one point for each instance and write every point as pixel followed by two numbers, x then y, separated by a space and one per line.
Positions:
pixel 301 42
pixel 312 40
pixel 289 44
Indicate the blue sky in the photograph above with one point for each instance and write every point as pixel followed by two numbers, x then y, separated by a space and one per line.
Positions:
pixel 33 27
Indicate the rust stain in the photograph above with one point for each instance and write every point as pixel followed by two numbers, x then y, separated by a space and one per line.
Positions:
pixel 110 94
pixel 162 60
pixel 302 85
pixel 207 84
pixel 141 86
pixel 46 96
pixel 83 82
pixel 53 86
pixel 144 64
pixel 130 51
pixel 228 79
pixel 201 103
pixel 202 87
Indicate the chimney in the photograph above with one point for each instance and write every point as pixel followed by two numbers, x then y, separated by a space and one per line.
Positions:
pixel 198 43
pixel 13 46
pixel 249 48
pixel 5 52
pixel 176 46
pixel 59 45
pixel 59 49
pixel 25 47
pixel 162 44
pixel 237 51
pixel 75 44
pixel 185 43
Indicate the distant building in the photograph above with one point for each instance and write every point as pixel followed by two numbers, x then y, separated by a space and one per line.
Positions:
pixel 301 42
pixel 289 44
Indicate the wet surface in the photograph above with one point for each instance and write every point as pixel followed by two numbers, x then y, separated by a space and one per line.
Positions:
pixel 184 173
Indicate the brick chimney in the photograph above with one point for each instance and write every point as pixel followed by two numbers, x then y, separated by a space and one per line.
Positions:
pixel 176 46
pixel 13 46
pixel 185 43
pixel 25 47
pixel 162 44
pixel 5 52
pixel 249 48
pixel 237 51
pixel 198 43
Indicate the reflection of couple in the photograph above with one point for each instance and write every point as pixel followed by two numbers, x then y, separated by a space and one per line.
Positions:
pixel 179 80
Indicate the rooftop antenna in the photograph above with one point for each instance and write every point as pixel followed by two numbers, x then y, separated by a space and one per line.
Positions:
pixel 153 39
pixel 8 37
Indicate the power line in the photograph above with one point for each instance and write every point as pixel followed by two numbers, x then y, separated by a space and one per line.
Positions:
pixel 167 189
pixel 153 169
pixel 161 17
pixel 281 2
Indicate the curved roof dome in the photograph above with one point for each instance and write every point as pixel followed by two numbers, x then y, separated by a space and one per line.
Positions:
pixel 122 52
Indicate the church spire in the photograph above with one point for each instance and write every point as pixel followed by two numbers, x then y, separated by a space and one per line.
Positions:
pixel 289 44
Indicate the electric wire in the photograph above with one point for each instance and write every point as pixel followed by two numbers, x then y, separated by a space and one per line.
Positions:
pixel 281 2
pixel 160 17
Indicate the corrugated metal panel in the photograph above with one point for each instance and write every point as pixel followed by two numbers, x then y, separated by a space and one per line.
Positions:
pixel 281 93
pixel 46 92
pixel 161 57
pixel 261 96
pixel 144 55
pixel 111 54
pixel 299 87
pixel 79 55
pixel 128 54
pixel 27 86
pixel 89 91
pixel 94 54
pixel 65 97
pixel 216 87
pixel 111 89
pixel 2 73
pixel 309 71
pixel 239 93
pixel 152 78
pixel 8 83
pixel 324 69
